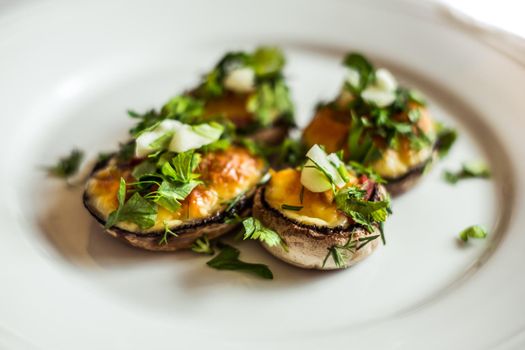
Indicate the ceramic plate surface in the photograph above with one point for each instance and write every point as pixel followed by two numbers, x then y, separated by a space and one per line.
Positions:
pixel 68 73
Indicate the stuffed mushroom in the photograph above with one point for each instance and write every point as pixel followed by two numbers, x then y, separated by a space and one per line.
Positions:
pixel 325 215
pixel 172 184
pixel 249 89
pixel 379 124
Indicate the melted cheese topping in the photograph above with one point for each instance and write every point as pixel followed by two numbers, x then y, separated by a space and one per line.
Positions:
pixel 330 128
pixel 231 106
pixel 225 174
pixel 317 208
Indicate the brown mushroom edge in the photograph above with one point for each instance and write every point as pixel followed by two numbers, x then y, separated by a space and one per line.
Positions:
pixel 401 184
pixel 308 245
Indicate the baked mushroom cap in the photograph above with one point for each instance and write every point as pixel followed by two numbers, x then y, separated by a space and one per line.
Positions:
pixel 230 178
pixel 250 90
pixel 308 245
pixel 402 168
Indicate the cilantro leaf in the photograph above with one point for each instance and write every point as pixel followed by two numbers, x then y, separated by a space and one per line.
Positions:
pixel 475 231
pixel 469 170
pixel 254 229
pixel 66 166
pixel 228 259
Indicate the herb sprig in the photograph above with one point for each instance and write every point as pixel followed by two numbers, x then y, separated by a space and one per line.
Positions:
pixel 228 259
pixel 66 166
pixel 469 170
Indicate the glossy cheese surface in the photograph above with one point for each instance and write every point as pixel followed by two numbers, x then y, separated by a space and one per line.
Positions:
pixel 232 106
pixel 225 174
pixel 318 209
pixel 330 128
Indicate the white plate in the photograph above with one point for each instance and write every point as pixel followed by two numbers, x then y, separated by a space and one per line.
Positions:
pixel 68 72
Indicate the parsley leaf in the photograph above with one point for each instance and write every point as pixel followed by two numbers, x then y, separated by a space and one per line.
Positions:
pixel 66 166
pixel 475 231
pixel 169 195
pixel 254 229
pixel 271 100
pixel 228 259
pixel 469 170
pixel 202 246
pixel 182 166
pixel 360 169
pixel 446 138
pixel 137 210
pixel 351 201
pixel 267 61
pixel 361 65
pixel 167 232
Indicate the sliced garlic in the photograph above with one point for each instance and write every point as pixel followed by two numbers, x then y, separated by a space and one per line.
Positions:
pixel 385 80
pixel 378 96
pixel 240 80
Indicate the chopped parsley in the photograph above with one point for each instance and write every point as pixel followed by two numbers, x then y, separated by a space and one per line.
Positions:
pixel 291 207
pixel 202 246
pixel 469 170
pixel 392 120
pixel 228 259
pixel 137 210
pixel 475 231
pixel 271 96
pixel 254 229
pixel 66 166
pixel 167 232
pixel 351 201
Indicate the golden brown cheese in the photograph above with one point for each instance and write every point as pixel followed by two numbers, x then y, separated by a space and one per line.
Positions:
pixel 330 128
pixel 232 106
pixel 225 174
pixel 317 208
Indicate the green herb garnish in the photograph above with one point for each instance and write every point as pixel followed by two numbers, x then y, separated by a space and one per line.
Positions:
pixel 291 207
pixel 469 170
pixel 202 246
pixel 66 166
pixel 228 259
pixel 254 229
pixel 137 210
pixel 475 231
pixel 351 201
pixel 446 138
pixel 167 232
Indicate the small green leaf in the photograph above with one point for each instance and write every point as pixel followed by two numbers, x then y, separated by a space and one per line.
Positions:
pixel 254 229
pixel 446 138
pixel 360 64
pixel 202 246
pixel 267 61
pixel 475 231
pixel 66 166
pixel 228 259
pixel 469 170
